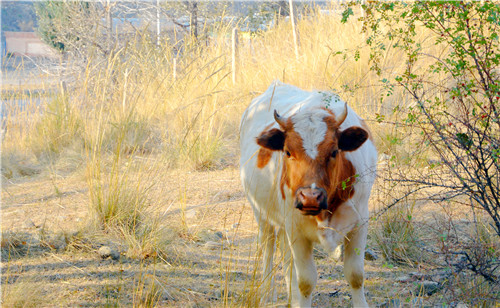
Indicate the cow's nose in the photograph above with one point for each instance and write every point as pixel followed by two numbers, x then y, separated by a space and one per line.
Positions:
pixel 311 198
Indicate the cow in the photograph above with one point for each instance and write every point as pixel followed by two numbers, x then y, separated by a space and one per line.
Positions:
pixel 307 166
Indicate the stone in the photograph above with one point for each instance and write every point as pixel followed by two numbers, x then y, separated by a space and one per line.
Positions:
pixel 403 279
pixel 219 234
pixel 370 255
pixel 213 245
pixel 393 303
pixel 427 287
pixel 191 214
pixel 107 252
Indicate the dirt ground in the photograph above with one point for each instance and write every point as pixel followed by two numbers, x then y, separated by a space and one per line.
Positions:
pixel 210 259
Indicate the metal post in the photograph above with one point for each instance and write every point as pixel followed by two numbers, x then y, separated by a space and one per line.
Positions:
pixel 234 53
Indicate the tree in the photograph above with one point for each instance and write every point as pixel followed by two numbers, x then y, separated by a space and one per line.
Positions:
pixel 456 90
pixel 195 10
pixel 59 22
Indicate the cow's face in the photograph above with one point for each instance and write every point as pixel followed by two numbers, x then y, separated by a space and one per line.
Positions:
pixel 314 166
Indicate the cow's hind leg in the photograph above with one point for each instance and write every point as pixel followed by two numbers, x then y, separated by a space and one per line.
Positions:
pixel 267 246
pixel 354 252
pixel 288 267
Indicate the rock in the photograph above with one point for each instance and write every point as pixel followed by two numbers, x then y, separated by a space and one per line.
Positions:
pixel 213 245
pixel 393 303
pixel 107 252
pixel 190 214
pixel 58 244
pixel 219 234
pixel 403 279
pixel 420 276
pixel 370 255
pixel 427 287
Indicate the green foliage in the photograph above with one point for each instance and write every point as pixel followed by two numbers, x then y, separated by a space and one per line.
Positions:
pixel 455 84
pixel 47 13
pixel 55 18
pixel 451 52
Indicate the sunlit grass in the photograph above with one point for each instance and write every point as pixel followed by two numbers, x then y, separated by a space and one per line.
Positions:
pixel 126 120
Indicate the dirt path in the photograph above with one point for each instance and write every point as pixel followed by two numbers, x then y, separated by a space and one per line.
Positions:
pixel 209 259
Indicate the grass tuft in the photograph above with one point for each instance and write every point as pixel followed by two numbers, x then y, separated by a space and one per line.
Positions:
pixel 59 126
pixel 397 237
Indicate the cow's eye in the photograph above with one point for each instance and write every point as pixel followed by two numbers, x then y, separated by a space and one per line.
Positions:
pixel 334 153
pixel 288 153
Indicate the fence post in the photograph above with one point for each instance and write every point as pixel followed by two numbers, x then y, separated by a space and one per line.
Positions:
pixel 294 31
pixel 158 28
pixel 174 68
pixel 234 53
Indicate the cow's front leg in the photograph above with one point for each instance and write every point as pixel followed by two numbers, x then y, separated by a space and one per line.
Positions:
pixel 354 260
pixel 303 286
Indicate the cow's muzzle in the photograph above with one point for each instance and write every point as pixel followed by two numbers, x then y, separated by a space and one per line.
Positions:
pixel 310 201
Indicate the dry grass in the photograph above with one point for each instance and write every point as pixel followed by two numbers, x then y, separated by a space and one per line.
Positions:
pixel 130 157
pixel 24 293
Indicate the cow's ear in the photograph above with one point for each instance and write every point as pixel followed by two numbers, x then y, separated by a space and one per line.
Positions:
pixel 273 139
pixel 352 138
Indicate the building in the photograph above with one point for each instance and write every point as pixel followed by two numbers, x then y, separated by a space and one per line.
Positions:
pixel 26 44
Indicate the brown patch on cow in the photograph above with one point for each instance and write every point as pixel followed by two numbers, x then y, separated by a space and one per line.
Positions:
pixel 305 288
pixel 365 127
pixel 342 182
pixel 342 173
pixel 356 280
pixel 335 174
pixel 264 154
pixel 284 180
pixel 263 157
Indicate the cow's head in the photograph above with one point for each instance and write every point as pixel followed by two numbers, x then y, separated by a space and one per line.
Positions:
pixel 314 167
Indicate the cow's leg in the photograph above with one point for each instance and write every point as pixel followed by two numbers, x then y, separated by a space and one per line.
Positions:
pixel 267 245
pixel 288 267
pixel 305 269
pixel 354 253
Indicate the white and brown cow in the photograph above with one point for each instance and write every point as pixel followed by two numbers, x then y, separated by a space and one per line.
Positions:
pixel 307 167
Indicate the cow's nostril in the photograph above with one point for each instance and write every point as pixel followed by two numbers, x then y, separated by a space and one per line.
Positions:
pixel 319 196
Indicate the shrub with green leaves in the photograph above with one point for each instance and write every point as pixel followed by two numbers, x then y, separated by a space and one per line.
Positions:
pixel 451 78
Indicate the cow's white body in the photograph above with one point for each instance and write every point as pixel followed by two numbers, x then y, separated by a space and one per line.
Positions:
pixel 262 186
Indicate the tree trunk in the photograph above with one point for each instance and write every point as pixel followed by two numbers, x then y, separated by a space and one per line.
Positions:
pixel 194 19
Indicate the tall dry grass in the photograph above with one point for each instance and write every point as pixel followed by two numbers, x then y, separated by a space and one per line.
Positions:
pixel 129 120
pixel 192 120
